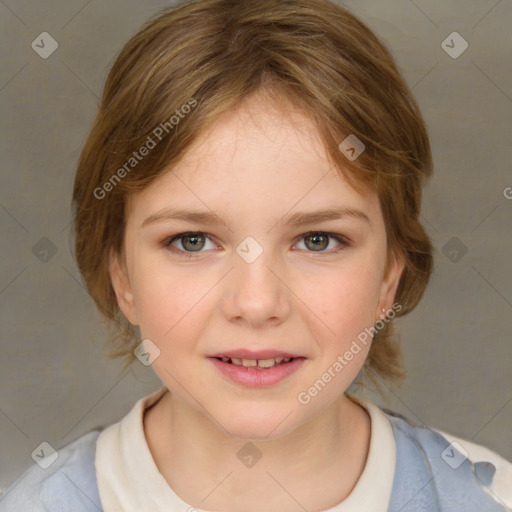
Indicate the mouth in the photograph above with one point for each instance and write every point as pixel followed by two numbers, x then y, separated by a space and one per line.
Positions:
pixel 258 364
pixel 254 370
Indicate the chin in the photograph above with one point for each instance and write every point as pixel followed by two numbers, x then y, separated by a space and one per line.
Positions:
pixel 260 426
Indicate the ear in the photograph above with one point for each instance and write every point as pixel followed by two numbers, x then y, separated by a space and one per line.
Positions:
pixel 122 287
pixel 395 266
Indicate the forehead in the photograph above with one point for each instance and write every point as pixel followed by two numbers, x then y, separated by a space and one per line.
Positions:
pixel 260 157
pixel 263 127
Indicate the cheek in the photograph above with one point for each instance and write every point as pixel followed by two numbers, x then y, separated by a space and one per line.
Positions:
pixel 346 302
pixel 167 302
pixel 170 315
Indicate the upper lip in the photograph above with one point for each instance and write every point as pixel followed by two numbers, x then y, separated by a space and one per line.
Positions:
pixel 242 353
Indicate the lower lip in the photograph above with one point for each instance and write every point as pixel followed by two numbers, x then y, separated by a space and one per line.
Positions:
pixel 254 378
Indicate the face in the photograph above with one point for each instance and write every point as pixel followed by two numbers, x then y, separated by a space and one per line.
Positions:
pixel 245 277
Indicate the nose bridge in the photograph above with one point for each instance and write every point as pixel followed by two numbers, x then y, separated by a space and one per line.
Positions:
pixel 257 293
pixel 253 262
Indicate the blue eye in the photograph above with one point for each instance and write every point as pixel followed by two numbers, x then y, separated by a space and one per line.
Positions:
pixel 193 241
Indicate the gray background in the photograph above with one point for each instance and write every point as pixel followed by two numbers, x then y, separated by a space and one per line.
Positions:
pixel 55 384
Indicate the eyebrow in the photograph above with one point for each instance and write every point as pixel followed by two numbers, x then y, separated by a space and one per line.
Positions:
pixel 295 219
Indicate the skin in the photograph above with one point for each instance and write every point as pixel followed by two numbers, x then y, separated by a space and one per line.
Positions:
pixel 256 165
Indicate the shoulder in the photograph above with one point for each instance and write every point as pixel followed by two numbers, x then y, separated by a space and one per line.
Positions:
pixel 491 468
pixel 62 481
pixel 459 469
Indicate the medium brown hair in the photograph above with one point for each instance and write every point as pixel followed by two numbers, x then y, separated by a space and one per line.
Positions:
pixel 214 54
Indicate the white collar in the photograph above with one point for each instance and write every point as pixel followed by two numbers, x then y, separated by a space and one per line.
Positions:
pixel 129 480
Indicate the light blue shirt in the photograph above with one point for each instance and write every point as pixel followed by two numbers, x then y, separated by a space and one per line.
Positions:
pixel 423 482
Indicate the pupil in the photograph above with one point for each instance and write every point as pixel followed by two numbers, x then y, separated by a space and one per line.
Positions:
pixel 316 238
pixel 195 245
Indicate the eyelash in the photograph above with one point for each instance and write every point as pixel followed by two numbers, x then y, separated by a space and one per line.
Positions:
pixel 345 242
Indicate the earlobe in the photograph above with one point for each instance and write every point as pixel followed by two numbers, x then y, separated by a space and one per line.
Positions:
pixel 122 287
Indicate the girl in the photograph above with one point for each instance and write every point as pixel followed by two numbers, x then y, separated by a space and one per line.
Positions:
pixel 247 215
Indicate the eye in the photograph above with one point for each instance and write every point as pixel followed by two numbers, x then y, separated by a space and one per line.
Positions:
pixel 186 244
pixel 318 241
pixel 190 242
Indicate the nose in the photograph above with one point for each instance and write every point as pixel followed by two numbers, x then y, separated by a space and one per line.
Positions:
pixel 255 293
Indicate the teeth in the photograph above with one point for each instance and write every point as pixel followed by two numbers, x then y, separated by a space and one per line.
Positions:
pixel 266 363
pixel 259 363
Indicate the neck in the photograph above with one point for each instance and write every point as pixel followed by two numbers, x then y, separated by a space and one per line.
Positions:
pixel 317 465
